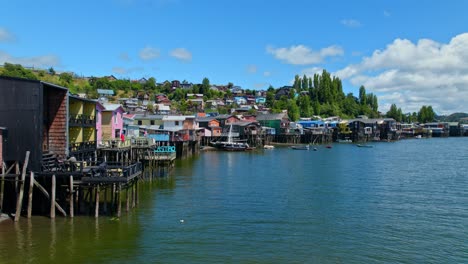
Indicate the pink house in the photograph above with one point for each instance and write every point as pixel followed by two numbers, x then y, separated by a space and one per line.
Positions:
pixel 99 109
pixel 112 121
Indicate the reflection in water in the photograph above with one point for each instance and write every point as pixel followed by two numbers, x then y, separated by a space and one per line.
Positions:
pixel 66 240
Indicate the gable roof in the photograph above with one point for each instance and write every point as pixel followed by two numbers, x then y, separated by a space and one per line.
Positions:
pixel 112 107
pixel 279 116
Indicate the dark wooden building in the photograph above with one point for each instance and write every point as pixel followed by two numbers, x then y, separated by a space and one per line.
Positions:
pixel 3 135
pixel 35 114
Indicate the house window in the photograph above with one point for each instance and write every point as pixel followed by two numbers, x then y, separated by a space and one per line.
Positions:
pixel 176 123
pixel 140 122
pixel 115 118
pixel 152 122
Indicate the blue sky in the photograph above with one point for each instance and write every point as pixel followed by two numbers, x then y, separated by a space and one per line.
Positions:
pixel 411 53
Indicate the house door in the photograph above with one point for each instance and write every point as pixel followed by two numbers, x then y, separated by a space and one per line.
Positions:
pixel 117 133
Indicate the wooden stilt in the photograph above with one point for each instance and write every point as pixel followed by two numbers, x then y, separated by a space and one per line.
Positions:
pixel 119 205
pixel 30 194
pixel 127 206
pixel 52 198
pixel 43 190
pixel 136 192
pixel 96 210
pixel 2 187
pixel 17 172
pixel 133 194
pixel 72 200
pixel 19 201
pixel 105 200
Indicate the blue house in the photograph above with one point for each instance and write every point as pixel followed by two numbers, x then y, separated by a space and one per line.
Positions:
pixel 311 123
pixel 260 100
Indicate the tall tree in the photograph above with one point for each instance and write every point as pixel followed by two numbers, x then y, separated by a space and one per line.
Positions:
pixel 362 95
pixel 305 83
pixel 297 83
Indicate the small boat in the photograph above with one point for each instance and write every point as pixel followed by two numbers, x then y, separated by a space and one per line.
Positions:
pixel 418 136
pixel 315 149
pixel 300 147
pixel 268 147
pixel 364 146
pixel 328 146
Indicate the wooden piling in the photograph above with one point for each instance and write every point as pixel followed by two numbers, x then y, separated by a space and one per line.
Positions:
pixel 2 187
pixel 96 211
pixel 127 204
pixel 119 205
pixel 43 190
pixel 136 192
pixel 72 200
pixel 19 201
pixel 17 172
pixel 133 195
pixel 105 200
pixel 30 194
pixel 52 198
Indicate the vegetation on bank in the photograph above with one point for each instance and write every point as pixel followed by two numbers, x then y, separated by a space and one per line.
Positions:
pixel 318 95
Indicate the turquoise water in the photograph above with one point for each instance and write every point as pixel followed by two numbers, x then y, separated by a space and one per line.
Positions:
pixel 403 202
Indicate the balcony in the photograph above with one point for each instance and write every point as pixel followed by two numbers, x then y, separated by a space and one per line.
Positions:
pixel 82 120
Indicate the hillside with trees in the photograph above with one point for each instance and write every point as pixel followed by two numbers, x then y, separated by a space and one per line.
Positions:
pixel 319 95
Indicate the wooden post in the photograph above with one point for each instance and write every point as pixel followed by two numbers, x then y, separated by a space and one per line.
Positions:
pixel 96 210
pixel 30 197
pixel 119 206
pixel 17 172
pixel 19 201
pixel 2 187
pixel 52 198
pixel 136 192
pixel 127 206
pixel 72 200
pixel 105 200
pixel 133 194
pixel 43 190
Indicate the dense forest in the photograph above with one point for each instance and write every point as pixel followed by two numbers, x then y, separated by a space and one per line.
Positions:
pixel 320 95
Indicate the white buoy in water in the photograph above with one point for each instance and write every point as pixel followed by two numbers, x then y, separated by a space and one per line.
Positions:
pixel 181 221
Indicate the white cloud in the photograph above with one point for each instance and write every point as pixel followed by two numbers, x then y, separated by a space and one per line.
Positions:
pixel 124 56
pixel 260 85
pixel 6 36
pixel 37 61
pixel 266 73
pixel 311 71
pixel 122 70
pixel 181 54
pixel 422 73
pixel 352 23
pixel 302 55
pixel 252 69
pixel 149 53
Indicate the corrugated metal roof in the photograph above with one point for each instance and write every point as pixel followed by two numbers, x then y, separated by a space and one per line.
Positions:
pixel 105 91
pixel 278 116
pixel 111 107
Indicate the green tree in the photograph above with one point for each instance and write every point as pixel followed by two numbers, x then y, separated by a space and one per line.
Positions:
pixel 305 106
pixel 293 110
pixel 297 83
pixel 362 95
pixel 51 71
pixel 65 78
pixel 426 114
pixel 305 83
pixel 205 86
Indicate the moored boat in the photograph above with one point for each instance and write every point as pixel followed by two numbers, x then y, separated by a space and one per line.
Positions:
pixel 364 146
pixel 300 147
